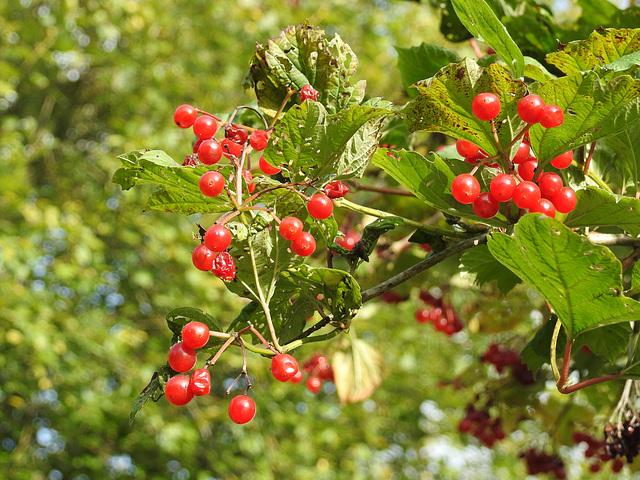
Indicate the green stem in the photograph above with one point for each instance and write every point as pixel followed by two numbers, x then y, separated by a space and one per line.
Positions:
pixel 342 202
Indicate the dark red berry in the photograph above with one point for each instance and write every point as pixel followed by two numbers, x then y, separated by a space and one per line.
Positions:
pixel 335 189
pixel 236 133
pixel 224 266
pixel 200 382
pixel 185 115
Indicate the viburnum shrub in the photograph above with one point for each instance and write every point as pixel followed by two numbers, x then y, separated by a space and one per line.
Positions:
pixel 522 206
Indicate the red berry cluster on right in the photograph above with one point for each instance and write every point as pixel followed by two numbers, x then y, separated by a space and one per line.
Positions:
pixel 318 370
pixel 502 358
pixel 547 195
pixel 442 315
pixel 540 462
pixel 478 422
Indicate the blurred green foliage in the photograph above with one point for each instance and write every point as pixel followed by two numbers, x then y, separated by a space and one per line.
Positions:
pixel 86 277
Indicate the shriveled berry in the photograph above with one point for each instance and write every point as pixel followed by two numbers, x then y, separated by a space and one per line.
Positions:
pixel 236 133
pixel 200 382
pixel 335 189
pixel 309 93
pixel 224 266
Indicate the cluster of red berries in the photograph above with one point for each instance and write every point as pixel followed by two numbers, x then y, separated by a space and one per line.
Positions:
pixel 547 195
pixel 598 452
pixel 478 422
pixel 623 440
pixel 210 255
pixel 502 358
pixel 318 370
pixel 540 462
pixel 442 315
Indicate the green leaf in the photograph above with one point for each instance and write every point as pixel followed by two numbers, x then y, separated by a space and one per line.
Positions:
pixel 424 61
pixel 598 208
pixel 635 276
pixel 335 292
pixel 358 371
pixel 179 317
pixel 310 143
pixel 483 23
pixel 600 49
pixel 429 179
pixel 444 104
pixel 154 391
pixel 178 189
pixel 303 55
pixel 538 351
pixel 627 149
pixel 368 241
pixel 479 263
pixel 593 110
pixel 582 282
pixel 536 71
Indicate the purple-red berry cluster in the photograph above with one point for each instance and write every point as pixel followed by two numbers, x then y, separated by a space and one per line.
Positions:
pixel 478 422
pixel 541 462
pixel 442 315
pixel 502 358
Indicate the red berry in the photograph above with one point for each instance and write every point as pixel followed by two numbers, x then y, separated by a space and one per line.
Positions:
pixel 502 187
pixel 181 357
pixel 209 152
pixel 527 169
pixel 551 116
pixel 550 183
pixel 290 228
pixel 563 161
pixel 308 92
pixel 526 195
pixel 211 184
pixel 485 106
pixel 248 178
pixel 230 148
pixel 304 245
pixel 205 127
pixel 485 206
pixel 335 189
pixel 314 384
pixel 217 238
pixel 224 266
pixel 465 188
pixel 565 200
pixel 467 149
pixel 259 139
pixel 530 108
pixel 267 168
pixel 195 334
pixel 203 258
pixel 177 390
pixel 242 409
pixel 349 240
pixel 236 133
pixel 200 382
pixel 196 145
pixel 185 115
pixel 423 315
pixel 522 154
pixel 320 206
pixel 284 367
pixel 297 378
pixel 545 207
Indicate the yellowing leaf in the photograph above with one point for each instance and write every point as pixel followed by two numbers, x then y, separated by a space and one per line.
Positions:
pixel 357 371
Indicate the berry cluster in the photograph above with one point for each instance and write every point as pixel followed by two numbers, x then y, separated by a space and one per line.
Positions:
pixel 540 462
pixel 502 358
pixel 599 451
pixel 478 422
pixel 547 195
pixel 236 146
pixel 318 370
pixel 623 440
pixel 441 314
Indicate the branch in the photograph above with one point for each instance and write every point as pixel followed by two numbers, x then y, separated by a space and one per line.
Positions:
pixel 614 239
pixel 425 264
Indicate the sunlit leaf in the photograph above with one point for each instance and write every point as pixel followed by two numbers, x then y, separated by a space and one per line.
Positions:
pixel 423 61
pixel 598 208
pixel 357 371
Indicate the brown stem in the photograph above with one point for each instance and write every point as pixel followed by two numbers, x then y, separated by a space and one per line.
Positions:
pixel 262 339
pixel 269 189
pixel 382 190
pixel 324 321
pixel 589 157
pixel 587 383
pixel 566 360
